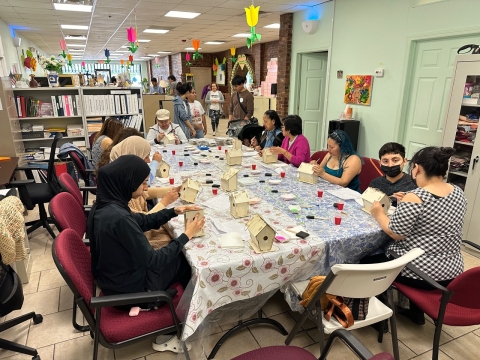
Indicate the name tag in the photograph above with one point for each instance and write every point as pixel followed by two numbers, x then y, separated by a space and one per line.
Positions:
pixel 241 99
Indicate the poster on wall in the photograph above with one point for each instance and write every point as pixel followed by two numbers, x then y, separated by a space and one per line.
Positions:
pixel 358 89
pixel 220 80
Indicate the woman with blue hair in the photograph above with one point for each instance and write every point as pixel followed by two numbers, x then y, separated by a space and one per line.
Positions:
pixel 340 167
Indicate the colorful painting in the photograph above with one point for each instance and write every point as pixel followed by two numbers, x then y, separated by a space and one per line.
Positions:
pixel 358 89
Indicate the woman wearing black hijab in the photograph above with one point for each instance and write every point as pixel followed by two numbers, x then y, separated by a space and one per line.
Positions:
pixel 123 261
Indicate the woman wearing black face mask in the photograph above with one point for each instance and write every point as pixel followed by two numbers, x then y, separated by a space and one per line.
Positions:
pixel 430 218
pixel 395 183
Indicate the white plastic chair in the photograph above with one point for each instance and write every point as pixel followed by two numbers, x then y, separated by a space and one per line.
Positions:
pixel 356 281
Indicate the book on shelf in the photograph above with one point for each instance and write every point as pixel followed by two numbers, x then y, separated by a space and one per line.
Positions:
pixel 111 104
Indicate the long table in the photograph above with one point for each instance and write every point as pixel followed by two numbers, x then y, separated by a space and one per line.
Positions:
pixel 225 276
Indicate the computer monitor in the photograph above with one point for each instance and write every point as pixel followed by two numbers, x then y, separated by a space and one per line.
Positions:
pixel 273 89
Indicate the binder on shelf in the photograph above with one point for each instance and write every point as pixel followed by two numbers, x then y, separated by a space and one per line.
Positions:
pixel 118 107
pixel 124 105
pixel 19 107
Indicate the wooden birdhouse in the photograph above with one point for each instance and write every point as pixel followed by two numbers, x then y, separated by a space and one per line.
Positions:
pixel 234 157
pixel 239 204
pixel 268 156
pixel 237 144
pixel 189 215
pixel 371 195
pixel 190 189
pixel 163 170
pixel 169 139
pixel 261 234
pixel 305 173
pixel 229 180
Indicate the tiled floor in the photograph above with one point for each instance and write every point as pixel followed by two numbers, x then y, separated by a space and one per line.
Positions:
pixel 55 338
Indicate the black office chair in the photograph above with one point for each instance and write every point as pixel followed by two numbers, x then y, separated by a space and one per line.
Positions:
pixel 32 193
pixel 11 298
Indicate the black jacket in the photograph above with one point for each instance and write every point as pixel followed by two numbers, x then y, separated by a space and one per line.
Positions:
pixel 122 258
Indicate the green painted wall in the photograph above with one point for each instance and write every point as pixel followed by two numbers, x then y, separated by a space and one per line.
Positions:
pixel 370 34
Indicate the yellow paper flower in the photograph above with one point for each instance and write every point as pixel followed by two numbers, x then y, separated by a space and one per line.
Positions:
pixel 232 50
pixel 69 57
pixel 251 14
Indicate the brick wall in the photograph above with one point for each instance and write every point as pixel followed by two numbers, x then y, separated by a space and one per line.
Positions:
pixel 284 63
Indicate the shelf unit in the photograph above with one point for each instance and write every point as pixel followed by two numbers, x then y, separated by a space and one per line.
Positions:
pixel 12 143
pixel 466 70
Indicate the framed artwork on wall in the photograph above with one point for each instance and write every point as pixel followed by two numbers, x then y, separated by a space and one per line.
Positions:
pixel 358 90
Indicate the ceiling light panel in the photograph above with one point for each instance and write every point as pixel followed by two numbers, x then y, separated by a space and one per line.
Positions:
pixel 214 42
pixel 156 31
pixel 76 45
pixel 74 27
pixel 72 7
pixel 273 26
pixel 245 35
pixel 182 14
pixel 192 49
pixel 74 37
pixel 143 40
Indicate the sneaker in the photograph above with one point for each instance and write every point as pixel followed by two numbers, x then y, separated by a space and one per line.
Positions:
pixel 168 343
pixel 214 133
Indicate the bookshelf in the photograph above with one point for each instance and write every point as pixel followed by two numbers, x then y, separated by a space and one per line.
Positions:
pixel 460 132
pixel 13 141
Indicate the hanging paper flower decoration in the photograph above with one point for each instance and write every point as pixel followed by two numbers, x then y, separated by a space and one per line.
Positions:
pixel 69 58
pixel 187 57
pixel 132 38
pixel 63 46
pixel 107 55
pixel 222 65
pixel 156 62
pixel 232 51
pixel 122 62
pixel 100 61
pixel 130 58
pixel 251 14
pixel 128 64
pixel 83 65
pixel 214 68
pixel 196 45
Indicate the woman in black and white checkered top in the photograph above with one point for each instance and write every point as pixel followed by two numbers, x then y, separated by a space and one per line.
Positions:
pixel 430 218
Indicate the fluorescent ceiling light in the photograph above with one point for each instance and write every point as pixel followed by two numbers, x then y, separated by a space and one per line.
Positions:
pixel 72 7
pixel 156 31
pixel 273 26
pixel 143 40
pixel 154 55
pixel 182 14
pixel 245 35
pixel 73 37
pixel 76 50
pixel 121 51
pixel 76 45
pixel 192 49
pixel 74 27
pixel 164 52
pixel 124 47
pixel 145 57
pixel 214 42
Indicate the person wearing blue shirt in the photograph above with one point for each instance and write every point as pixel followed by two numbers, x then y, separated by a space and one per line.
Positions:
pixel 155 88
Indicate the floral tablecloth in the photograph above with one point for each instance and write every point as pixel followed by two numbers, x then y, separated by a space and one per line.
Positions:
pixel 223 276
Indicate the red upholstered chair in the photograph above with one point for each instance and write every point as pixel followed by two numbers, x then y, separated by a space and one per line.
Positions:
pixel 370 171
pixel 91 137
pixel 456 305
pixel 112 328
pixel 84 174
pixel 69 185
pixel 319 155
pixel 296 353
pixel 67 213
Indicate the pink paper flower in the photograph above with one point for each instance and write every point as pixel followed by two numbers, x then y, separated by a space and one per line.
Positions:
pixel 187 56
pixel 131 34
pixel 268 265
pixel 234 283
pixel 215 278
pixel 63 44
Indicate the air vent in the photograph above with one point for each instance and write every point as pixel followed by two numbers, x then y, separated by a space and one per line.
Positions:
pixel 259 13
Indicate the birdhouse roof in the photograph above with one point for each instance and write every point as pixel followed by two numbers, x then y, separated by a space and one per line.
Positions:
pixel 257 224
pixel 306 168
pixel 372 194
pixel 192 184
pixel 234 153
pixel 163 164
pixel 229 173
pixel 170 136
pixel 240 197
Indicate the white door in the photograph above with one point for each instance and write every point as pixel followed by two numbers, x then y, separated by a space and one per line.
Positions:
pixel 429 90
pixel 313 75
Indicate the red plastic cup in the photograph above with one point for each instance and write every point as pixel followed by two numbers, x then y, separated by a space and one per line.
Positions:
pixel 226 150
pixel 219 148
pixel 338 220
pixel 173 152
pixel 172 180
pixel 282 174
pixel 254 166
pixel 320 193
pixel 214 191
pixel 180 163
pixel 340 205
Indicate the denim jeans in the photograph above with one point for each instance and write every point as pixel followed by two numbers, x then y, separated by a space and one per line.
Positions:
pixel 199 134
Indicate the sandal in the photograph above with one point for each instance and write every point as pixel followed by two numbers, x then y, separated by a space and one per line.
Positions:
pixel 167 343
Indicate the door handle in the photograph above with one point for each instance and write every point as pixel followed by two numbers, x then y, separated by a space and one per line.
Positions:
pixel 475 161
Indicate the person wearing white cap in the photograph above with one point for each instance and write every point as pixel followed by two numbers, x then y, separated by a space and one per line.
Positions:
pixel 163 127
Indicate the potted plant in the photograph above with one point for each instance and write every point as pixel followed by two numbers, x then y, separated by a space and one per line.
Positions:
pixel 53 66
